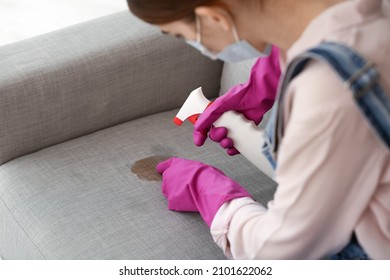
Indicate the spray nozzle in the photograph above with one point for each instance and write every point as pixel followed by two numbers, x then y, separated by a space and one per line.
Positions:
pixel 195 104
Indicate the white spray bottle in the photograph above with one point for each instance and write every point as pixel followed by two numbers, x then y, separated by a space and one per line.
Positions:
pixel 247 137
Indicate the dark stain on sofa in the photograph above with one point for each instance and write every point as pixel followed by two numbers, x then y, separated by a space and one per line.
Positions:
pixel 145 168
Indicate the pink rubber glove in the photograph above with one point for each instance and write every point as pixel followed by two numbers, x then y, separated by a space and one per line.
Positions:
pixel 193 186
pixel 252 99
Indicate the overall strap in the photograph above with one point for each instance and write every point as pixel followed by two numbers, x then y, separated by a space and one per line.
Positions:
pixel 357 75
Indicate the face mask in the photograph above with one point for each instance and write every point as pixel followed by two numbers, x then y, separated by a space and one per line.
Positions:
pixel 238 51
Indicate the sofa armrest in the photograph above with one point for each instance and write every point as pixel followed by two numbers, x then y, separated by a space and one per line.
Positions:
pixel 91 76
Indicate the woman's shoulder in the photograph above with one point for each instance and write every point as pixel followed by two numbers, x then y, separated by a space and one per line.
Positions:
pixel 318 87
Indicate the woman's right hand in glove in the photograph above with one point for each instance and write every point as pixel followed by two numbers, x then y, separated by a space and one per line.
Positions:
pixel 252 99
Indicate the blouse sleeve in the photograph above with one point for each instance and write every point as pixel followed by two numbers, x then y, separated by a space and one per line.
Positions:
pixel 325 179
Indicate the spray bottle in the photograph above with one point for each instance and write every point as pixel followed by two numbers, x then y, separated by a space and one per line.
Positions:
pixel 247 137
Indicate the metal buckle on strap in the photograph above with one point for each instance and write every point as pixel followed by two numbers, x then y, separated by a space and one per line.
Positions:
pixel 373 79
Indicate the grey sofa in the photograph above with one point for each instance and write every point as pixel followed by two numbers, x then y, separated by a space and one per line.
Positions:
pixel 83 111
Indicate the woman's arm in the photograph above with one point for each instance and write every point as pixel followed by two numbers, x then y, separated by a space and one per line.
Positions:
pixel 328 168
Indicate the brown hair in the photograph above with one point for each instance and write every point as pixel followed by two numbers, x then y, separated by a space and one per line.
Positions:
pixel 166 11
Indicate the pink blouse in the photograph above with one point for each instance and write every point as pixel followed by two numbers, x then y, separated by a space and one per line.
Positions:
pixel 333 174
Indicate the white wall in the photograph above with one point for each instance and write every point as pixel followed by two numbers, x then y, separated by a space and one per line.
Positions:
pixel 21 19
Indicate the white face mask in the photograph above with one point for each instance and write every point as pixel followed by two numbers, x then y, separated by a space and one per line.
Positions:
pixel 238 51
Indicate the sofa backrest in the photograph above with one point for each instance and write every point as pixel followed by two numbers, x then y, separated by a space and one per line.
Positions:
pixel 234 74
pixel 91 76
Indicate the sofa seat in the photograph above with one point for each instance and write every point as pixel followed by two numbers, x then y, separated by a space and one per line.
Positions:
pixel 82 200
pixel 84 111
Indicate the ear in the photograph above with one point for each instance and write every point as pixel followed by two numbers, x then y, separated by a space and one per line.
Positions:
pixel 214 15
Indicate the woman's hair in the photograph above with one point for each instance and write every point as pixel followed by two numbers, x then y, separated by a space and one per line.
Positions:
pixel 166 11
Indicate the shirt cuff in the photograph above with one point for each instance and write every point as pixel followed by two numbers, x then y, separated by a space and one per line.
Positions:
pixel 220 225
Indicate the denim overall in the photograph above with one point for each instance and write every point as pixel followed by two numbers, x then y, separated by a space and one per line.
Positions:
pixel 361 78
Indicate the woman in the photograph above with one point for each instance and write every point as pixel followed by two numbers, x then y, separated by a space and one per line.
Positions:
pixel 333 174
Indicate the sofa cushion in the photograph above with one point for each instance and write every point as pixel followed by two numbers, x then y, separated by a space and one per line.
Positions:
pixel 82 200
pixel 80 79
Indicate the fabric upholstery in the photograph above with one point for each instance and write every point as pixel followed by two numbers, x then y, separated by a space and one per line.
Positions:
pixel 91 76
pixel 235 73
pixel 80 199
pixel 79 108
